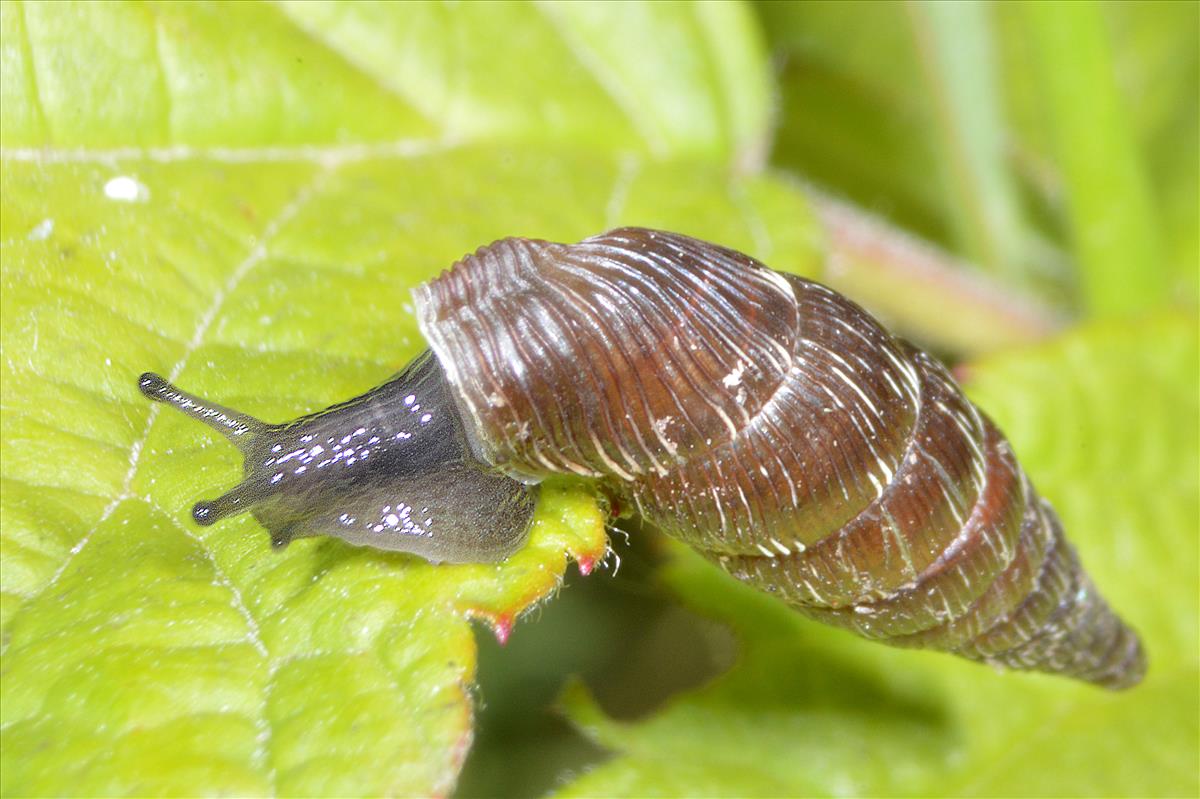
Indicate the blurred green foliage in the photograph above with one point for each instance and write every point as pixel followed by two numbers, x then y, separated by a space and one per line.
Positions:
pixel 242 195
pixel 1088 185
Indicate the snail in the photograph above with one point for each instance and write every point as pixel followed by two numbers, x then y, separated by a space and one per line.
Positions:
pixel 761 418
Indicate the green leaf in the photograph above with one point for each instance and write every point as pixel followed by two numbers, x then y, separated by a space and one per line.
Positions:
pixel 1106 422
pixel 242 196
pixel 289 73
pixel 1160 67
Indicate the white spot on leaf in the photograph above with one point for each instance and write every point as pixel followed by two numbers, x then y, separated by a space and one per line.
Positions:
pixel 126 189
pixel 42 230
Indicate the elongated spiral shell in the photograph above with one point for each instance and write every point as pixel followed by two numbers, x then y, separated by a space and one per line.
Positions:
pixel 776 427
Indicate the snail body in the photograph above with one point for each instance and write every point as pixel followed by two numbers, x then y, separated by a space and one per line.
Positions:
pixel 389 469
pixel 763 419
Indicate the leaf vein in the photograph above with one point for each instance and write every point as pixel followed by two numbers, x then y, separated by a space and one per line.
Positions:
pixel 256 255
pixel 349 59
pixel 618 196
pixel 253 637
pixel 605 78
pixel 318 154
pixel 35 84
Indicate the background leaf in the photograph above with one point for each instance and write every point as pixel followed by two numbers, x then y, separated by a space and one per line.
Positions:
pixel 304 73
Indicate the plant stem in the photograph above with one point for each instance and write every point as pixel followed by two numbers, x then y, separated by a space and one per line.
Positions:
pixel 1116 239
pixel 954 45
pixel 929 294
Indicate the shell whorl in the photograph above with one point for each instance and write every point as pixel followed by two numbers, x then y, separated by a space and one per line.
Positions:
pixel 597 339
pixel 777 428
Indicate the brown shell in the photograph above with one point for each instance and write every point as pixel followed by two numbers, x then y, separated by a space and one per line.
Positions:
pixel 776 427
